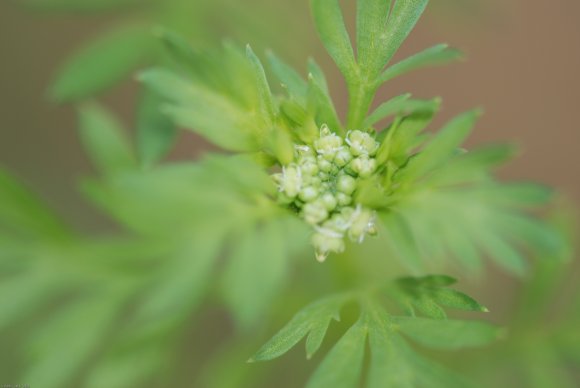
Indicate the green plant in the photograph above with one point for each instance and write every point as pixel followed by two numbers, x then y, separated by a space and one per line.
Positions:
pixel 242 227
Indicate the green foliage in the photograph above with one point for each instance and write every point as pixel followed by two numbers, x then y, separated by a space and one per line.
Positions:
pixel 392 361
pixel 219 231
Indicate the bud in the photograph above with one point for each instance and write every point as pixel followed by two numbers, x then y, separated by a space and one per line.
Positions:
pixel 362 222
pixel 361 143
pixel 343 199
pixel 314 212
pixel 308 194
pixel 308 166
pixel 291 180
pixel 346 184
pixel 363 166
pixel 329 201
pixel 326 241
pixel 324 165
pixel 342 157
pixel 328 144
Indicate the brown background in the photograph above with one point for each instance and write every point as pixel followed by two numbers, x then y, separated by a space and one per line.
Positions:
pixel 522 68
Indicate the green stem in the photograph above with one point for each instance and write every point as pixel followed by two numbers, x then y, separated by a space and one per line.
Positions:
pixel 361 98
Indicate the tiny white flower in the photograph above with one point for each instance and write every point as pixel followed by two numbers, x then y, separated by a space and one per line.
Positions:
pixel 363 166
pixel 361 143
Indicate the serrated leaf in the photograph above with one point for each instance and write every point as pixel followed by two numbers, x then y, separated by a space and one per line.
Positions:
pixel 105 140
pixel 155 132
pixel 313 320
pixel 447 334
pixel 102 63
pixel 434 56
pixel 342 366
pixel 332 31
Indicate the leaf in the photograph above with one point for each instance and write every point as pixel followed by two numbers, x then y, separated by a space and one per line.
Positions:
pixel 22 212
pixel 441 148
pixel 447 334
pixel 264 94
pixel 321 105
pixel 330 25
pixel 400 105
pixel 371 23
pixel 434 56
pixel 312 321
pixel 155 132
pixel 209 113
pixel 342 366
pixel 289 77
pixel 402 20
pixel 104 140
pixel 102 63
pixel 257 271
pixel 59 348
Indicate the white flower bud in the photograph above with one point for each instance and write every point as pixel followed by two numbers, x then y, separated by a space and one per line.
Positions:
pixel 308 166
pixel 329 201
pixel 362 222
pixel 291 180
pixel 314 212
pixel 326 241
pixel 343 199
pixel 361 143
pixel 346 184
pixel 363 166
pixel 324 165
pixel 308 194
pixel 328 144
pixel 342 157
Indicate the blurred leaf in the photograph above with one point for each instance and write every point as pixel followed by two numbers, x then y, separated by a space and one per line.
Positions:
pixel 447 334
pixel 265 95
pixel 290 79
pixel 24 213
pixel 155 132
pixel 434 56
pixel 332 31
pixel 104 140
pixel 321 105
pixel 103 63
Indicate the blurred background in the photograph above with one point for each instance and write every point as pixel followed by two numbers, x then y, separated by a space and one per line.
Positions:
pixel 522 67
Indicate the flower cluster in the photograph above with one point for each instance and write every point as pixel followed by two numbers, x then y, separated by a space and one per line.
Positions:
pixel 320 183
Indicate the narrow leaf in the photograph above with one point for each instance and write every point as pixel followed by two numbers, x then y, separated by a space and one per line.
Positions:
pixel 102 63
pixel 371 23
pixel 434 56
pixel 264 94
pixel 289 77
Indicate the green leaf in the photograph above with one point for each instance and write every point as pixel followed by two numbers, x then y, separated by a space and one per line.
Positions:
pixel 441 148
pixel 400 105
pixel 447 334
pixel 22 212
pixel 155 132
pixel 434 56
pixel 264 94
pixel 311 321
pixel 342 366
pixel 60 347
pixel 371 23
pixel 330 25
pixel 402 20
pixel 105 140
pixel 205 111
pixel 102 63
pixel 321 105
pixel 257 271
pixel 291 80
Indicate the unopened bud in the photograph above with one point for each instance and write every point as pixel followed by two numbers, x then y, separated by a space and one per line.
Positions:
pixel 314 212
pixel 329 201
pixel 308 194
pixel 361 143
pixel 346 184
pixel 363 166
